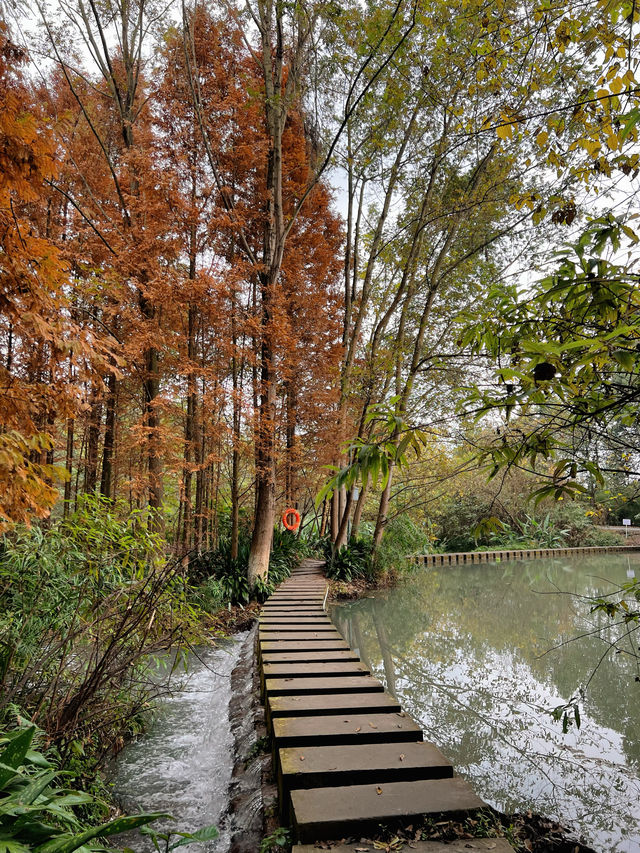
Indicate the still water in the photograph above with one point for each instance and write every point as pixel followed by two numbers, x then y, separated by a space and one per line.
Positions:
pixel 182 765
pixel 477 653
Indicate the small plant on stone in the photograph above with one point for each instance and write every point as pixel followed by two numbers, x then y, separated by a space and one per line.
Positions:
pixel 279 840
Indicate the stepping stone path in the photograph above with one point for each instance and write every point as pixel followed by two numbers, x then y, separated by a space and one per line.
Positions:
pixel 347 758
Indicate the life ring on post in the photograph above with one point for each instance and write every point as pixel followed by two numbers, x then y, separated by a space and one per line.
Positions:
pixel 291 519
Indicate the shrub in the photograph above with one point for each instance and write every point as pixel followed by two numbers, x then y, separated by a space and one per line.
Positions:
pixel 229 572
pixel 351 561
pixel 576 518
pixel 37 812
pixel 402 538
pixel 79 613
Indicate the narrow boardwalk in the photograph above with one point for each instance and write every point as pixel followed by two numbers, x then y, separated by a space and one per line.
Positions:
pixel 347 758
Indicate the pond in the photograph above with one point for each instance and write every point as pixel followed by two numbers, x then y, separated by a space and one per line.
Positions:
pixel 478 653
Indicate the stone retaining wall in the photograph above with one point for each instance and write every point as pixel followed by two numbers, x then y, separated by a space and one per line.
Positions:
pixel 515 554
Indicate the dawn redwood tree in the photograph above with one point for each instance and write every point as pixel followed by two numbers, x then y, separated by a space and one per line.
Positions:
pixel 39 339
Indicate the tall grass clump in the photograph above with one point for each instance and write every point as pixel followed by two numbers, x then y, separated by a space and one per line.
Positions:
pixel 82 606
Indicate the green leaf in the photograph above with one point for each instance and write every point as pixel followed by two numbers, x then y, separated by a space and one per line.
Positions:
pixel 14 754
pixel 10 845
pixel 207 833
pixel 31 792
pixel 67 843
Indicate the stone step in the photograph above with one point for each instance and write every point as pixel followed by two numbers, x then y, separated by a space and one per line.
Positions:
pixel 315 669
pixel 320 814
pixel 334 729
pixel 274 636
pixel 298 594
pixel 361 764
pixel 330 684
pixel 279 628
pixel 293 611
pixel 462 845
pixel 316 588
pixel 314 619
pixel 323 704
pixel 308 657
pixel 331 766
pixel 309 645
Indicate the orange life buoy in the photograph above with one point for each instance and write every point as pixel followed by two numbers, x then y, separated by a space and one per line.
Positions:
pixel 291 519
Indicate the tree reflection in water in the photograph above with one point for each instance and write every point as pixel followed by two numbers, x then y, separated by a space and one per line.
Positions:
pixel 465 650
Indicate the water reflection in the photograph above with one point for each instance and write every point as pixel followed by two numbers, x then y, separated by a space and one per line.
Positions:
pixel 466 649
pixel 183 764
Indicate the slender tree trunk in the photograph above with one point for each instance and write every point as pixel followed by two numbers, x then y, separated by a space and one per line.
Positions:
pixel 189 431
pixel 235 457
pixel 291 399
pixel 93 441
pixel 383 509
pixel 341 537
pixel 106 480
pixel 323 520
pixel 69 467
pixel 265 476
pixel 335 521
pixel 357 515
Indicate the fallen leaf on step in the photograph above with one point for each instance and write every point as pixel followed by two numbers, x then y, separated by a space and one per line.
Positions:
pixel 358 728
pixel 401 756
pixel 378 790
pixel 302 758
pixel 373 725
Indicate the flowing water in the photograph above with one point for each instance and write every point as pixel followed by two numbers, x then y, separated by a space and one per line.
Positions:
pixel 478 653
pixel 183 764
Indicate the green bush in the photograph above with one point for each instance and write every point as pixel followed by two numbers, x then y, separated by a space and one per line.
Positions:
pixel 80 610
pixel 38 812
pixel 458 518
pixel 351 561
pixel 211 595
pixel 229 572
pixel 576 518
pixel 402 539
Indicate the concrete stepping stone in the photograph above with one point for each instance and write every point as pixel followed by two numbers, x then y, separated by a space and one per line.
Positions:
pixel 330 684
pixel 304 595
pixel 462 845
pixel 274 636
pixel 293 611
pixel 327 629
pixel 331 766
pixel 314 619
pixel 341 704
pixel 333 729
pixel 308 657
pixel 323 813
pixel 313 670
pixel 309 645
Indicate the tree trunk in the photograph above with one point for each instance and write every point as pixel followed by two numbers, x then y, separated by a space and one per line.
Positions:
pixel 106 480
pixel 235 457
pixel 383 509
pixel 93 441
pixel 189 433
pixel 341 538
pixel 69 467
pixel 357 515
pixel 265 476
